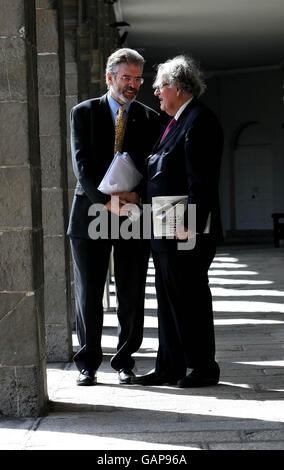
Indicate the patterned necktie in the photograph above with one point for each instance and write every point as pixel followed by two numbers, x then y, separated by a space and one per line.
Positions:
pixel 120 125
pixel 168 128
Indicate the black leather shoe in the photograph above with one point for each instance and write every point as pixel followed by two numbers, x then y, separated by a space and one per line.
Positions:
pixel 125 376
pixel 201 378
pixel 153 379
pixel 87 377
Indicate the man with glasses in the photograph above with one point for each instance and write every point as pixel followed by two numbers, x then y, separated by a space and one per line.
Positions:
pixel 99 128
pixel 185 162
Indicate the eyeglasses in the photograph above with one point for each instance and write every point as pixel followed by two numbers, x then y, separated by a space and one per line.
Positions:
pixel 158 88
pixel 129 79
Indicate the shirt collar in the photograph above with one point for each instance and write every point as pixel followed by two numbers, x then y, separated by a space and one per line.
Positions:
pixel 114 105
pixel 180 110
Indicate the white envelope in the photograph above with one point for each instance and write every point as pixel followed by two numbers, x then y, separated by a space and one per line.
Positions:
pixel 122 175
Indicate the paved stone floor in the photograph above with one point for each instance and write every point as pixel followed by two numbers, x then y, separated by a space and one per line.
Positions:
pixel 244 412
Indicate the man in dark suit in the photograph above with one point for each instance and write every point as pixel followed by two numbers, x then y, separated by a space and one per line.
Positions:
pixel 95 137
pixel 186 161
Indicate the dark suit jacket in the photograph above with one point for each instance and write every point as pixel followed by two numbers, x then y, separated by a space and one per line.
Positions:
pixel 92 146
pixel 187 162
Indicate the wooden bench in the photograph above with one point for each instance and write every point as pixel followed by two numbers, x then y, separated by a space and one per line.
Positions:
pixel 278 228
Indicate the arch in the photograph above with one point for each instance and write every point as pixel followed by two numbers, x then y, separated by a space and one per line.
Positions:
pixel 241 129
pixel 248 134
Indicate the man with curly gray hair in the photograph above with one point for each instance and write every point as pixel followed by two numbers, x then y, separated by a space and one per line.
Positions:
pixel 185 162
pixel 183 72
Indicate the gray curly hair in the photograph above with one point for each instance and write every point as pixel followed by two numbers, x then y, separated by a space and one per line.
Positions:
pixel 182 72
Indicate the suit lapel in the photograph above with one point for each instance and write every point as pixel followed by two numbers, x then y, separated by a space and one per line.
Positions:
pixel 172 132
pixel 103 130
pixel 132 121
pixel 105 120
pixel 176 127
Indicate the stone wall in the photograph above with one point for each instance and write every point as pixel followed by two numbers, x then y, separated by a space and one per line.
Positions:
pixel 23 389
pixel 53 127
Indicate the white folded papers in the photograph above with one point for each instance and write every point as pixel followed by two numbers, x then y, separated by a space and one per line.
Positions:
pixel 168 212
pixel 122 175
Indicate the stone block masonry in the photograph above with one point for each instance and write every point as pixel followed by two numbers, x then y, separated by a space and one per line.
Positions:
pixel 23 390
pixel 53 150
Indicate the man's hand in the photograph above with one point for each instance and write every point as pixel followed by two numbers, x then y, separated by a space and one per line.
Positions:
pixel 114 205
pixel 183 233
pixel 126 197
pixel 118 200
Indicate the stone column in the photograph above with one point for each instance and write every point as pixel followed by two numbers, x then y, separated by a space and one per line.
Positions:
pixel 70 8
pixel 23 390
pixel 104 39
pixel 53 129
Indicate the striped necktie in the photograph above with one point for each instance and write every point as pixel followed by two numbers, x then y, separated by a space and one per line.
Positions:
pixel 120 125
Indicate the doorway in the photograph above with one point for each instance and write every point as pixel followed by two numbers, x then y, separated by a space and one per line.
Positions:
pixel 253 179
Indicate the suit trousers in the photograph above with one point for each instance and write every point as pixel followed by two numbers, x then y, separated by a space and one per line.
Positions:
pixel 186 330
pixel 91 262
